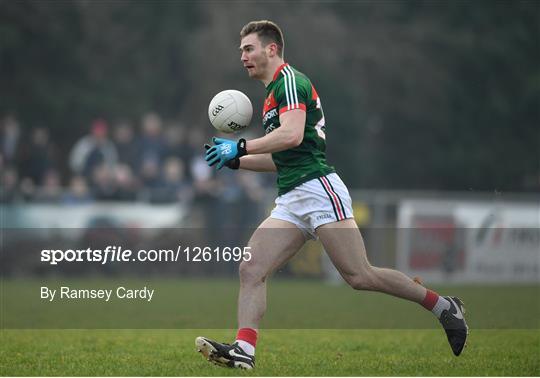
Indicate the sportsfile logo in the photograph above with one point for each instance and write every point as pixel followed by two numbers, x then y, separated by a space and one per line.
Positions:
pixel 118 254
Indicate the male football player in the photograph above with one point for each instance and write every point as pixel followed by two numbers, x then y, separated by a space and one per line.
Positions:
pixel 312 202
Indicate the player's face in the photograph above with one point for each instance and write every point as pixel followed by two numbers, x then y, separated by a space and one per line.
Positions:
pixel 254 56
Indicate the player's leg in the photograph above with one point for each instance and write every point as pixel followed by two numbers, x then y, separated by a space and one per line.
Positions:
pixel 273 243
pixel 344 244
pixel 345 247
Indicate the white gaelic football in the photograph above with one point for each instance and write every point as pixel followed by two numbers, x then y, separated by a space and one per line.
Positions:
pixel 230 111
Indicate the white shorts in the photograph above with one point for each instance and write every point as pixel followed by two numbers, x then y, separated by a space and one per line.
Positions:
pixel 314 203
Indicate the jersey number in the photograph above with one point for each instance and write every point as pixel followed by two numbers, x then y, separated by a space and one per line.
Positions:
pixel 320 125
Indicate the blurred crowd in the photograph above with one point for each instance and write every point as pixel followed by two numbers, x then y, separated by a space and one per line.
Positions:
pixel 147 162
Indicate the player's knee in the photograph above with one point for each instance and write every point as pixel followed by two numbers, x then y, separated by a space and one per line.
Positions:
pixel 250 273
pixel 361 281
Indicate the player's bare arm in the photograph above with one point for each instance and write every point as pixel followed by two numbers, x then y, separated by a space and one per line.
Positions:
pixel 289 135
pixel 258 163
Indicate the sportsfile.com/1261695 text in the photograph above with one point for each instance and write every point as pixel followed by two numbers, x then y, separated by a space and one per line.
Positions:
pixel 118 254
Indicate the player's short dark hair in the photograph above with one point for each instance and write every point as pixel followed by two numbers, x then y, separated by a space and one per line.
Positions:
pixel 267 31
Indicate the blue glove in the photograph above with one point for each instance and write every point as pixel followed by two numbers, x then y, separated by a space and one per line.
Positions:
pixel 225 150
pixel 231 164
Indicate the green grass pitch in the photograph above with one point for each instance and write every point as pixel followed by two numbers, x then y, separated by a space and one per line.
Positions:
pixel 280 352
pixel 504 339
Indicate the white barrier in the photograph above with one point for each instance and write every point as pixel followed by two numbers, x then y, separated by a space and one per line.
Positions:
pixel 469 241
pixel 108 214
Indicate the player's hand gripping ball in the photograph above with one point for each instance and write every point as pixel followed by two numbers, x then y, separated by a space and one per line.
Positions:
pixel 230 111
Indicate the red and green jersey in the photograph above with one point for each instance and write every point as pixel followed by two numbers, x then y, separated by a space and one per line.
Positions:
pixel 291 89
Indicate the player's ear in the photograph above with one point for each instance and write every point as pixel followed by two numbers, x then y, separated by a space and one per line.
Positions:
pixel 272 49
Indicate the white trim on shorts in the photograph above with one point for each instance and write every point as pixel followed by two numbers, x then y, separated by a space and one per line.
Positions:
pixel 314 203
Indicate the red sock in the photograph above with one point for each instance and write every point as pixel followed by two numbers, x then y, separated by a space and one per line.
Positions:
pixel 430 300
pixel 249 335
